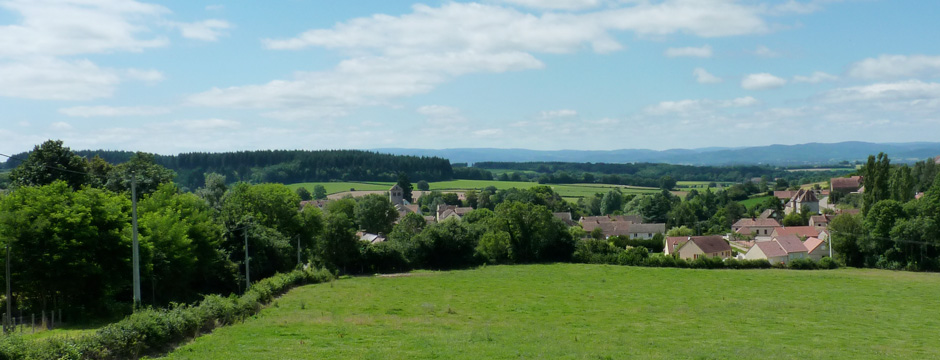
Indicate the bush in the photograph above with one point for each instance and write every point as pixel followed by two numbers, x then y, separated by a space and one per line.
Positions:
pixel 802 264
pixel 828 263
pixel 151 331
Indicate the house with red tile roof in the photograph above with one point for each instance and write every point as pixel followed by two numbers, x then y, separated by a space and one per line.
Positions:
pixel 846 185
pixel 673 243
pixel 820 222
pixel 704 246
pixel 801 198
pixel 817 248
pixel 781 249
pixel 800 231
pixel 762 227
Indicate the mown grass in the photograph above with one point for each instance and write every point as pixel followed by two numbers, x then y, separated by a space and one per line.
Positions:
pixel 569 311
pixel 338 187
pixel 749 203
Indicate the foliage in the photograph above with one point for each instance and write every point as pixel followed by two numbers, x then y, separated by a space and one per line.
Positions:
pixel 319 192
pixel 423 185
pixel 151 331
pixel 143 168
pixel 47 163
pixel 405 185
pixel 338 246
pixel 375 214
pixel 304 194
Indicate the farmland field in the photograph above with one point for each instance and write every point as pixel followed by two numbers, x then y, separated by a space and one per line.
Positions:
pixel 569 311
pixel 338 187
pixel 569 191
pixel 749 203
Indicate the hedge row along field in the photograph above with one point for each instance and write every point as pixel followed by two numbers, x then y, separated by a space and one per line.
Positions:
pixel 152 331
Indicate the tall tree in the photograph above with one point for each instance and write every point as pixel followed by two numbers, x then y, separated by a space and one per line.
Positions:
pixel 49 162
pixel 143 168
pixel 405 185
pixel 877 171
pixel 319 192
pixel 375 214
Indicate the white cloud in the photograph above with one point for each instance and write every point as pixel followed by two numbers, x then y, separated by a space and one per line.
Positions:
pixel 911 91
pixel 762 81
pixel 691 107
pixel 555 4
pixel 702 52
pixel 488 132
pixel 113 111
pixel 215 7
pixel 209 125
pixel 60 126
pixel 206 30
pixel 148 76
pixel 53 79
pixel 551 114
pixel 896 66
pixel 392 57
pixel 438 111
pixel 796 7
pixel 71 27
pixel 764 51
pixel 704 77
pixel 816 78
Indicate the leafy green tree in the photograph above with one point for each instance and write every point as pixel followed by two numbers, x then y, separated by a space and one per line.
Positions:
pixel 448 244
pixel 375 214
pixel 184 242
pixel 495 247
pixel 612 201
pixel 338 246
pixel 793 219
pixel 214 190
pixel 70 248
pixel 472 199
pixel 319 192
pixel 143 167
pixel 535 234
pixel 902 184
pixel 304 194
pixel 98 172
pixel 405 185
pixel 847 231
pixel 876 173
pixel 680 231
pixel 423 185
pixel 49 162
pixel 667 183
pixel 346 206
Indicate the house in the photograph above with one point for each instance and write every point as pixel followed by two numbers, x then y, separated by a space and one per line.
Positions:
pixel 707 246
pixel 820 222
pixel 919 195
pixel 848 211
pixel 785 195
pixel 770 214
pixel 320 204
pixel 371 238
pixel 799 231
pixel 936 160
pixel 645 231
pixel 846 185
pixel 673 243
pixel 802 198
pixel 404 210
pixel 780 249
pixel 451 211
pixel 762 227
pixel 565 217
pixel 817 248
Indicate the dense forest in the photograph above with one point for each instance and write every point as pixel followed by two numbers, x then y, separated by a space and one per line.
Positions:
pixel 284 166
pixel 646 174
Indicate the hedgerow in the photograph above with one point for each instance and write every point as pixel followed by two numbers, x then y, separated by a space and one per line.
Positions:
pixel 153 331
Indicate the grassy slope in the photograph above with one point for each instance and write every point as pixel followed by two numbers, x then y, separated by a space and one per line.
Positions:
pixel 594 311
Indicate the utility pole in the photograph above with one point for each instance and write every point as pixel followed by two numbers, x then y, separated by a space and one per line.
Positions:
pixel 298 251
pixel 247 272
pixel 6 322
pixel 135 244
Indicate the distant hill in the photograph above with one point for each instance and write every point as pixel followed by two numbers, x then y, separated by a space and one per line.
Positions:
pixel 782 155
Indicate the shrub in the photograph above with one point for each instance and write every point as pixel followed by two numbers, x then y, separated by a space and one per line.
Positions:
pixel 802 264
pixel 828 263
pixel 150 331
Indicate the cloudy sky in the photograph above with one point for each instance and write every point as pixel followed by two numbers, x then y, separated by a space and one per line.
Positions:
pixel 180 76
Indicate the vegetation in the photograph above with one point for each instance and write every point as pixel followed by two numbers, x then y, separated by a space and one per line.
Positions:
pixel 499 312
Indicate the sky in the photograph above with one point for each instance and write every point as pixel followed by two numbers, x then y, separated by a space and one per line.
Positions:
pixel 208 76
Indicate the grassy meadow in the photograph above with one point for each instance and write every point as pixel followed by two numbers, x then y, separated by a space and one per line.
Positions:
pixel 570 311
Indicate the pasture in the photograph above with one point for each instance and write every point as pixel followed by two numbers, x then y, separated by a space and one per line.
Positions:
pixel 571 311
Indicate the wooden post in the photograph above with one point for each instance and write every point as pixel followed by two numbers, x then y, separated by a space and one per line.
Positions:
pixel 33 316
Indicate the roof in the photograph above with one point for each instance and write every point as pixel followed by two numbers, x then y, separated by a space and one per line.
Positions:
pixel 757 222
pixel 674 241
pixel 821 219
pixel 371 238
pixel 767 214
pixel 647 228
pixel 805 231
pixel 395 187
pixel 936 160
pixel 804 195
pixel 711 244
pixel 771 249
pixel 791 243
pixel 784 195
pixel 852 183
pixel 565 217
pixel 812 243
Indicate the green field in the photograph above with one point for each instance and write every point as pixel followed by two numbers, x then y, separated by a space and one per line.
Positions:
pixel 569 311
pixel 749 203
pixel 338 187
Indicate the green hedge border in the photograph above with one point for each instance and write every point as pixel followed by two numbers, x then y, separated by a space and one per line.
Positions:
pixel 157 331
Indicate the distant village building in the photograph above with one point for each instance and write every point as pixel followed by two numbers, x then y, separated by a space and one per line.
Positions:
pixel 800 231
pixel 780 249
pixel 802 198
pixel 566 218
pixel 451 211
pixel 846 185
pixel 820 222
pixel 396 195
pixel 701 246
pixel 817 248
pixel 631 226
pixel 759 227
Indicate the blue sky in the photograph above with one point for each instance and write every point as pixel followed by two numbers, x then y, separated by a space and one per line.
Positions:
pixel 182 76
